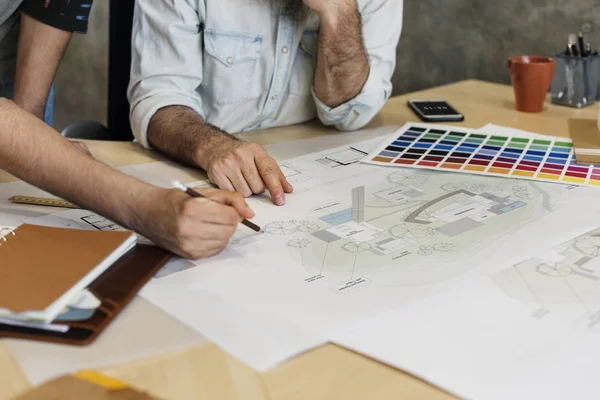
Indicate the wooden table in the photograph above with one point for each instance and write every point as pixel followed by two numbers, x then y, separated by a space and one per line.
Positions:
pixel 330 372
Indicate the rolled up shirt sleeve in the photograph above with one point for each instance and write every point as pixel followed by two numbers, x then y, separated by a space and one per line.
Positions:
pixel 381 27
pixel 70 16
pixel 164 72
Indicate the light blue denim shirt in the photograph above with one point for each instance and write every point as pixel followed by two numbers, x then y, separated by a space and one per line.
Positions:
pixel 242 65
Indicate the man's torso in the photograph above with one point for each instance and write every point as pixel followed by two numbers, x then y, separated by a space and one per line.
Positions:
pixel 258 64
pixel 9 35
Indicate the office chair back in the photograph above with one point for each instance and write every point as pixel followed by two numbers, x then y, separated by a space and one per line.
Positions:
pixel 119 62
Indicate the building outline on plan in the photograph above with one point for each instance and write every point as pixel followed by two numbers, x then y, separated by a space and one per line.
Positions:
pixel 568 286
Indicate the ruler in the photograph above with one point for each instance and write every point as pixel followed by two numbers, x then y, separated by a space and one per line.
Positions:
pixel 40 201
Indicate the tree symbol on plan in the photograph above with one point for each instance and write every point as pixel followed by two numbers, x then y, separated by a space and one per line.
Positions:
pixel 443 247
pixel 298 243
pixel 281 228
pixel 425 250
pixel 289 227
pixel 589 245
pixel 406 231
pixel 352 247
pixel 525 192
pixel 479 188
pixel 454 186
pixel 408 178
pixel 306 226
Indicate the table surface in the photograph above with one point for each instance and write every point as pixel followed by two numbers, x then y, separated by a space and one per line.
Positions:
pixel 329 372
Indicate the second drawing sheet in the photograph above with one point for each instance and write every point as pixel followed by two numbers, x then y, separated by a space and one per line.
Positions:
pixel 352 241
pixel 532 332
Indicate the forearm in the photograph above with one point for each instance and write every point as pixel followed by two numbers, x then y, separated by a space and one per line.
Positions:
pixel 31 152
pixel 181 133
pixel 40 51
pixel 342 63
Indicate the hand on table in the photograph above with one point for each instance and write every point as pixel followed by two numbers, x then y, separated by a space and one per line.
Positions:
pixel 191 227
pixel 246 168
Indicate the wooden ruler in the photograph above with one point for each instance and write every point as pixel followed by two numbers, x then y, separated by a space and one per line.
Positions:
pixel 40 201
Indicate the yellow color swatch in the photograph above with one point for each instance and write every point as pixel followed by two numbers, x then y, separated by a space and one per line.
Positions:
pixel 476 168
pixel 503 171
pixel 382 159
pixel 573 180
pixel 516 172
pixel 542 175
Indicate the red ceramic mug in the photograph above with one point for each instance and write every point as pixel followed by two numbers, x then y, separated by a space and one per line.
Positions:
pixel 531 78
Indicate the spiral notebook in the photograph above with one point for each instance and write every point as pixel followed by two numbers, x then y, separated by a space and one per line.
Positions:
pixel 42 267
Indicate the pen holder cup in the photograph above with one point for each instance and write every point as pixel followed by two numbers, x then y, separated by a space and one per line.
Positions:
pixel 575 81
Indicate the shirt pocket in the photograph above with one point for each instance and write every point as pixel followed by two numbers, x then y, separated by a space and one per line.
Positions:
pixel 303 73
pixel 230 66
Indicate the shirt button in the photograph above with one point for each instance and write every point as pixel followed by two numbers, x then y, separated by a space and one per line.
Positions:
pixel 229 60
pixel 274 97
pixel 284 50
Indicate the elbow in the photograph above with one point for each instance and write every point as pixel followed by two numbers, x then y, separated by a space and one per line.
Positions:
pixel 352 125
pixel 362 110
pixel 358 117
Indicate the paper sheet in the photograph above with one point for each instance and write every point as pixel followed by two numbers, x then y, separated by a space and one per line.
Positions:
pixel 527 332
pixel 140 331
pixel 270 297
pixel 494 129
pixel 354 241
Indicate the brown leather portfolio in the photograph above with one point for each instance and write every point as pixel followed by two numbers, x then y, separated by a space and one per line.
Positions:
pixel 115 287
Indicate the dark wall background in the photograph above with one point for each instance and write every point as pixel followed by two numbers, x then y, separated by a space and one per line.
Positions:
pixel 442 41
pixel 445 41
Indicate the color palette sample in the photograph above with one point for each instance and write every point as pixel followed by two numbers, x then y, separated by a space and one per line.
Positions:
pixel 466 150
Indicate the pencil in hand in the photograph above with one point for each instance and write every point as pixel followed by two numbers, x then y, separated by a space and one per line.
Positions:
pixel 191 192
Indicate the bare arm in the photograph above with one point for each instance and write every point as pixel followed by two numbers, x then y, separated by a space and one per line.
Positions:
pixel 52 163
pixel 181 133
pixel 356 59
pixel 189 227
pixel 41 48
pixel 230 163
pixel 342 63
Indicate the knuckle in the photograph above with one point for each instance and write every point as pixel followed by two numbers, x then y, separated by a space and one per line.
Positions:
pixel 232 231
pixel 232 217
pixel 188 208
pixel 234 196
pixel 180 231
pixel 267 169
pixel 239 153
pixel 228 162
pixel 259 188
pixel 187 250
pixel 216 251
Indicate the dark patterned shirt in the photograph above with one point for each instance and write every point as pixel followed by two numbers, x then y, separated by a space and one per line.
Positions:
pixel 68 15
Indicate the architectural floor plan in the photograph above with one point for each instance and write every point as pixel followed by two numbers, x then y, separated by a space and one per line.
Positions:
pixel 567 285
pixel 352 240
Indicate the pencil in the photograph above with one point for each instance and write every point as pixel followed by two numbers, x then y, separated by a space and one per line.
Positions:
pixel 193 193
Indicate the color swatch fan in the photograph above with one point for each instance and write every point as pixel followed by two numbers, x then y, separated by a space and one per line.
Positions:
pixel 465 150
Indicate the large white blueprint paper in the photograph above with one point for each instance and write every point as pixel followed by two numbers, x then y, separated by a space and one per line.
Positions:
pixel 353 240
pixel 527 332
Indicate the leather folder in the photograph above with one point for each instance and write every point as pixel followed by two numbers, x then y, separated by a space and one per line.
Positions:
pixel 114 288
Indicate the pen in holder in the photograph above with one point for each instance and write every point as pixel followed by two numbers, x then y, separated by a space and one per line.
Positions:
pixel 575 81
